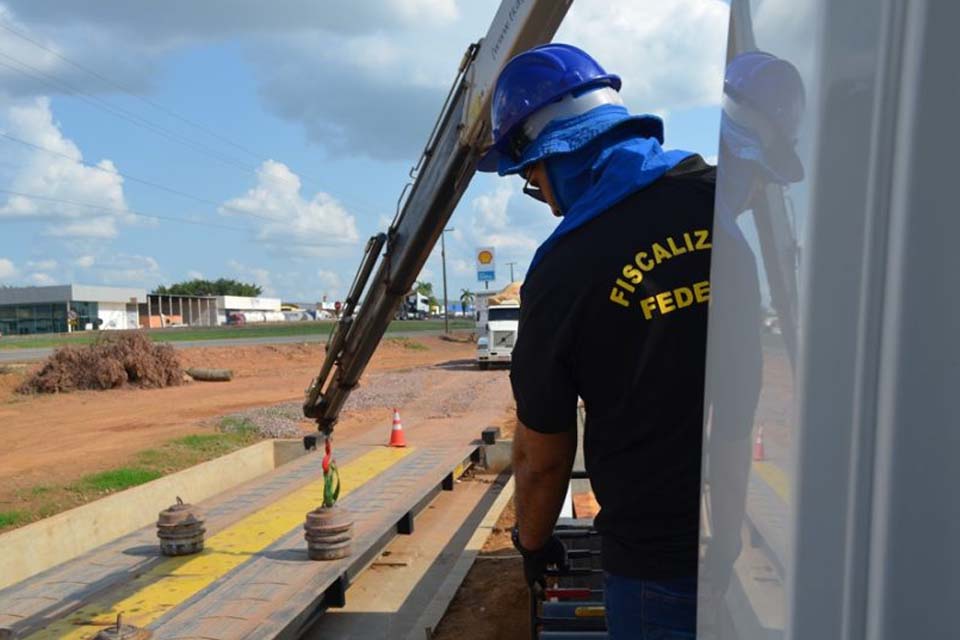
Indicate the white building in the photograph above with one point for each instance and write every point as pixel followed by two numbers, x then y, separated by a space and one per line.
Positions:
pixel 62 308
pixel 231 308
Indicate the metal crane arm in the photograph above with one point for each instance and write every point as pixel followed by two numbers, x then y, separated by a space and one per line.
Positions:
pixel 442 174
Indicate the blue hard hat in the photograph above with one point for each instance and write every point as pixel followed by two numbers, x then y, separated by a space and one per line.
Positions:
pixel 532 80
pixel 763 103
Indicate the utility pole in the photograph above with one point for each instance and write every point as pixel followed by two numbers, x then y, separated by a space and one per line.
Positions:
pixel 511 264
pixel 443 261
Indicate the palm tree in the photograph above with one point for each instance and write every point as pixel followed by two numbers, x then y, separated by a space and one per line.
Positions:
pixel 466 297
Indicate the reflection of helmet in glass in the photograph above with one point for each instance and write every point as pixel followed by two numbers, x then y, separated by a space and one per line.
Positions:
pixel 763 102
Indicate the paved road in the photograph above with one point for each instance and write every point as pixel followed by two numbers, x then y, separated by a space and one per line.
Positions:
pixel 31 355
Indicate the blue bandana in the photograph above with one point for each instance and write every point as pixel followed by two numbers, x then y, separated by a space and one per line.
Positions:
pixel 603 165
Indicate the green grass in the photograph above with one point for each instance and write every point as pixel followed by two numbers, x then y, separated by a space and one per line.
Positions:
pixel 236 424
pixel 116 479
pixel 407 343
pixel 221 333
pixel 194 449
pixel 43 501
pixel 12 518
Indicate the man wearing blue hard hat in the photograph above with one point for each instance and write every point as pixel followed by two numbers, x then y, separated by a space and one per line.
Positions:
pixel 614 311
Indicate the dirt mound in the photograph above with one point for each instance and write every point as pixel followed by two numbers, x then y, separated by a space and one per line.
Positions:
pixel 112 361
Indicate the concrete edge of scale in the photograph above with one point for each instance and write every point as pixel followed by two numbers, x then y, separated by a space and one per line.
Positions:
pixel 434 612
pixel 41 545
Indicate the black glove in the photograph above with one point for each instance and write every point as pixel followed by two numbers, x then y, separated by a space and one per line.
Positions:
pixel 535 562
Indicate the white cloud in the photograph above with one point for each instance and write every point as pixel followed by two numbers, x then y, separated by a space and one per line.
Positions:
pixel 669 54
pixel 491 223
pixel 254 275
pixel 491 208
pixel 59 182
pixel 85 262
pixel 7 268
pixel 389 84
pixel 41 279
pixel 434 11
pixel 194 275
pixel 462 267
pixel 288 222
pixel 178 22
pixel 329 281
pixel 129 269
pixel 426 274
pixel 41 265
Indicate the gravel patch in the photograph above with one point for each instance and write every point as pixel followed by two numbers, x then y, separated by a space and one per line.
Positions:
pixel 277 421
pixel 388 390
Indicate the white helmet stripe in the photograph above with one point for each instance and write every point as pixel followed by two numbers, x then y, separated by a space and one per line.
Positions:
pixel 569 107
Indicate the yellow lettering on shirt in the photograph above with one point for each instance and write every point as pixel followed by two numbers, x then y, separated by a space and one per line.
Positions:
pixel 643 262
pixel 701 291
pixel 617 296
pixel 632 274
pixel 677 251
pixel 683 296
pixel 648 305
pixel 659 253
pixel 703 239
pixel 665 302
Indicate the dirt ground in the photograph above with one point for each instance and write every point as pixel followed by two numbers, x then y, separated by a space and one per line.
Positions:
pixel 494 590
pixel 58 438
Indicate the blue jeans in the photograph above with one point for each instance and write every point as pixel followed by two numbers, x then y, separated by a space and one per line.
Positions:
pixel 650 609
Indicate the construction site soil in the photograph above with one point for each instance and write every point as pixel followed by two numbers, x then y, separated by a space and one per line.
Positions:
pixel 54 439
pixel 111 362
pixel 494 591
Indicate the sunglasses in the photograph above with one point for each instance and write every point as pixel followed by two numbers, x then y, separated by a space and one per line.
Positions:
pixel 533 191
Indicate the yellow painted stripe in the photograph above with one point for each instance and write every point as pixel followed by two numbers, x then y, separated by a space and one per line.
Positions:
pixel 152 594
pixel 589 612
pixel 775 477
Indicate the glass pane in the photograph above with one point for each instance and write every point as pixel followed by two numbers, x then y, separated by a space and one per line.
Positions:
pixel 760 216
pixel 508 313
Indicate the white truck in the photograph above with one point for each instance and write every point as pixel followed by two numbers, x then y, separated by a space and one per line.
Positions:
pixel 498 320
pixel 415 306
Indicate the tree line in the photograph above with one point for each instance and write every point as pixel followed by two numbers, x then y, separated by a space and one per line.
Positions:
pixel 201 287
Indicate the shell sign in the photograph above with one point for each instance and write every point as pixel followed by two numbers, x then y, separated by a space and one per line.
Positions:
pixel 486 264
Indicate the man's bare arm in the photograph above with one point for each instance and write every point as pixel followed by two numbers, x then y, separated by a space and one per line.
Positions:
pixel 541 470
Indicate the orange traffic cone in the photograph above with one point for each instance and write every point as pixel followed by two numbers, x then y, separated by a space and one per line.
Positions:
pixel 758 452
pixel 396 433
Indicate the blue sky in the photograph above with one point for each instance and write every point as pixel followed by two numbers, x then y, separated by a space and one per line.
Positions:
pixel 310 118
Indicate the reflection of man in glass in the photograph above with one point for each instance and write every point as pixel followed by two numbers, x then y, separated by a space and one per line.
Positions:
pixel 762 104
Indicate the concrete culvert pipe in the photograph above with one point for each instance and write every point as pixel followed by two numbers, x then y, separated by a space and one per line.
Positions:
pixel 210 375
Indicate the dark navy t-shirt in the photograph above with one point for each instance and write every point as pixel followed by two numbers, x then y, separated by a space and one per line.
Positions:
pixel 616 313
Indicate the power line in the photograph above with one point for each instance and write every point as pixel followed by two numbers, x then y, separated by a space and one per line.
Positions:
pixel 149 183
pixel 119 112
pixel 259 156
pixel 127 176
pixel 132 212
pixel 127 90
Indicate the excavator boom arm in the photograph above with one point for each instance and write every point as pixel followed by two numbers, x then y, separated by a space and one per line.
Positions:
pixel 442 174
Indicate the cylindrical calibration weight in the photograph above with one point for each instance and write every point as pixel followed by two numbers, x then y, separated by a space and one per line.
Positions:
pixel 329 531
pixel 180 529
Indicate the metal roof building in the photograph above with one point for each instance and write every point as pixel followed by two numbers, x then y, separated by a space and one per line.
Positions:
pixel 61 308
